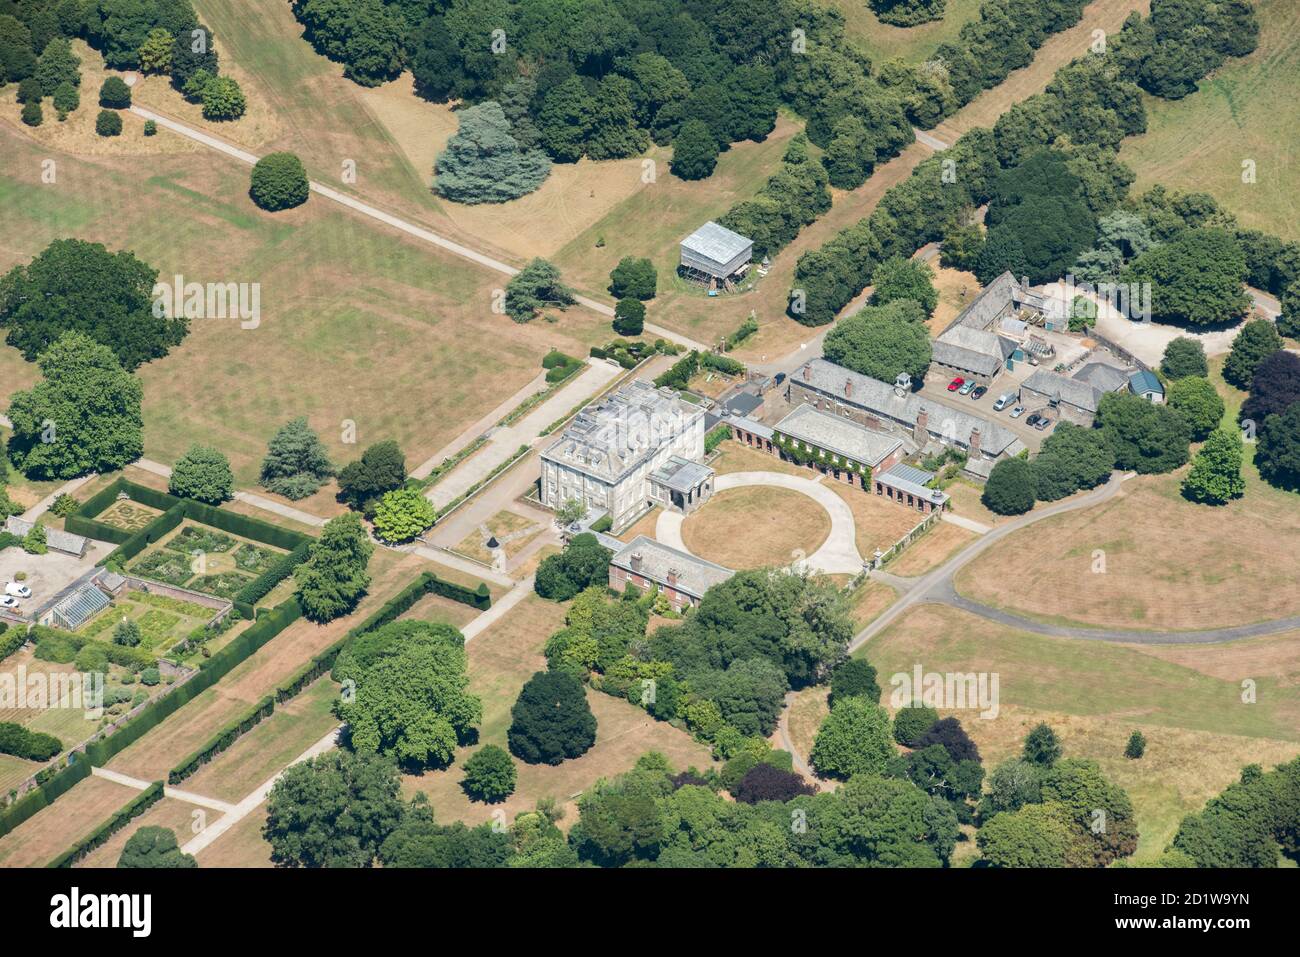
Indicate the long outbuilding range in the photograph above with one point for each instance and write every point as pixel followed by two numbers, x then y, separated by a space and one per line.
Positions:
pixel 986 336
pixel 893 408
pixel 715 254
pixel 681 577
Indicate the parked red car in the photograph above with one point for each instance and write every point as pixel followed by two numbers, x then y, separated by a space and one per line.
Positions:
pixel 956 384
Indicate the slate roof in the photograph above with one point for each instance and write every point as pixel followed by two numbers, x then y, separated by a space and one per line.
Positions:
pixel 1103 375
pixel 609 438
pixel 681 475
pixel 55 538
pixel 880 399
pixel 993 300
pixel 838 435
pixel 717 243
pixel 1145 381
pixel 965 347
pixel 695 576
pixel 1073 392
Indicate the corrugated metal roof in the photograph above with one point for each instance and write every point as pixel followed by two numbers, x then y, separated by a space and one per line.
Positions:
pixel 716 242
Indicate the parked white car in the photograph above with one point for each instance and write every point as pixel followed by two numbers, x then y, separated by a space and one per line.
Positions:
pixel 17 590
pixel 7 602
pixel 1017 412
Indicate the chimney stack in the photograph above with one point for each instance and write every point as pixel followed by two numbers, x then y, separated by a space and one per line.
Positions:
pixel 848 388
pixel 807 371
pixel 636 561
pixel 921 430
pixel 671 577
pixel 974 442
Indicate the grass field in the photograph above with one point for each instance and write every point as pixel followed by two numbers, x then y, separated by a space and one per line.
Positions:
pixel 1245 111
pixel 1187 701
pixel 879 521
pixel 1169 563
pixel 357 324
pixel 882 42
pixel 170 813
pixel 933 548
pixel 756 527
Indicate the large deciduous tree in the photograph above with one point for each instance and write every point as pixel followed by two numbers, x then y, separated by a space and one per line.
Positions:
pixel 854 739
pixel 1010 487
pixel 334 810
pixel 1143 437
pixel 882 341
pixel 78 286
pixel 202 473
pixel 1072 458
pixel 1257 340
pixel 411 703
pixel 1196 278
pixel 84 416
pixel 1215 476
pixel 535 287
pixel 154 847
pixel 1199 403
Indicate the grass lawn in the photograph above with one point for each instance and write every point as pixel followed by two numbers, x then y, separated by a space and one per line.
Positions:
pixel 275 743
pixel 1250 104
pixel 756 527
pixel 357 323
pixel 500 661
pixel 1170 564
pixel 1187 701
pixel 177 816
pixel 44 836
pixel 880 522
pixel 513 532
pixel 734 457
pixel 936 546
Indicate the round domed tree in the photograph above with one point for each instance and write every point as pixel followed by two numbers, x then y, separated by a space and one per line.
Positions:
pixel 551 720
pixel 279 182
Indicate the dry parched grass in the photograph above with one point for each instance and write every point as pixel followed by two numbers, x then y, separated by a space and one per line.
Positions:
pixel 756 527
pixel 1168 563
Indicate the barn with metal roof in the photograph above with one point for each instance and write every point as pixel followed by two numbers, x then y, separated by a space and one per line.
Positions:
pixel 715 254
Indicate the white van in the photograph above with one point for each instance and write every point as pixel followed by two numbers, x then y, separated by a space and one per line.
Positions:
pixel 17 590
pixel 1004 400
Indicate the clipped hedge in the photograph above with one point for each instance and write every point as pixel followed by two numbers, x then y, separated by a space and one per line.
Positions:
pixel 45 794
pixel 427 584
pixel 120 819
pixel 222 740
pixel 10 642
pixel 246 599
pixel 175 510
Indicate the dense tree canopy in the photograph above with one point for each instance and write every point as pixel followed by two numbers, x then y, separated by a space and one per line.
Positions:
pixel 1072 458
pixel 381 468
pixel 583 562
pixel 154 847
pixel 1274 387
pixel 1215 475
pixel 81 287
pixel 333 578
pixel 296 462
pixel 1277 453
pixel 900 278
pixel 551 720
pixel 854 739
pixel 882 341
pixel 1010 487
pixel 334 810
pixel 1144 437
pixel 1196 278
pixel 1184 357
pixel 1198 402
pixel 534 288
pixel 634 278
pixel 202 473
pixel 278 182
pixel 410 701
pixel 1257 340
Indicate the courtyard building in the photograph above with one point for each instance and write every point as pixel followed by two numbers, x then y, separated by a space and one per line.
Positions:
pixel 606 456
pixel 988 335
pixel 680 576
pixel 836 446
pixel 1070 399
pixel 896 410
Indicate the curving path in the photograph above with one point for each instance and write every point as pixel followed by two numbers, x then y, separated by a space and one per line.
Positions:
pixel 838 555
